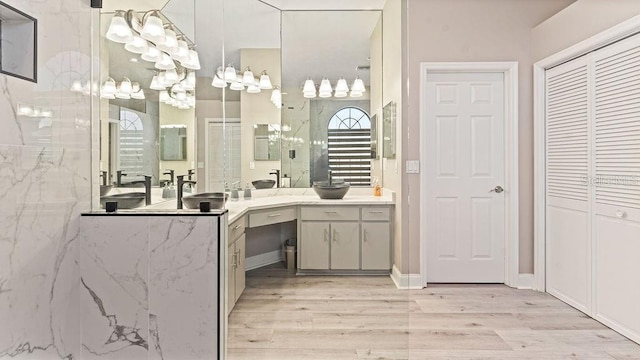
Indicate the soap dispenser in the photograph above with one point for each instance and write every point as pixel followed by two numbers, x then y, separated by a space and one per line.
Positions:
pixel 234 192
pixel 247 192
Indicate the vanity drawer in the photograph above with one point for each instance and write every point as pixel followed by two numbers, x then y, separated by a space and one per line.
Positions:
pixel 236 229
pixel 333 213
pixel 376 214
pixel 272 217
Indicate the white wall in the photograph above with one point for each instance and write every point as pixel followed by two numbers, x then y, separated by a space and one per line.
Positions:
pixel 472 30
pixel 579 21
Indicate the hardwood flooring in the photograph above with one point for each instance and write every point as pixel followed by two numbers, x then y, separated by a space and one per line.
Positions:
pixel 282 316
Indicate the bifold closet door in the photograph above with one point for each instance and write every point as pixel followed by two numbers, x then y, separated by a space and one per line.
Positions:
pixel 568 224
pixel 616 212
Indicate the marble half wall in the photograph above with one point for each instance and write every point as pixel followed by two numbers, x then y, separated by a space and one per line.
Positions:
pixel 149 287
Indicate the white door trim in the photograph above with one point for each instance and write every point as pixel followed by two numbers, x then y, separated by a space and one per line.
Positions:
pixel 595 42
pixel 512 238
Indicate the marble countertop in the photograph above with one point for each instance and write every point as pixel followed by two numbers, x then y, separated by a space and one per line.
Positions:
pixel 263 200
pixel 156 212
pixel 241 207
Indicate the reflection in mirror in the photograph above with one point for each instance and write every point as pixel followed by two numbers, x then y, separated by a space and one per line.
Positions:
pixel 266 142
pixel 389 131
pixel 148 92
pixel 173 142
pixel 374 137
pixel 332 81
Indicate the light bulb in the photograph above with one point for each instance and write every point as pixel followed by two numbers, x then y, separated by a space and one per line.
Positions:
pixel 358 85
pixel 265 81
pixel 24 110
pixel 247 77
pixel 76 86
pixel 230 74
pixel 165 62
pixel 171 77
pixel 237 86
pixel 152 54
pixel 253 89
pixel 156 84
pixel 139 95
pixel 309 87
pixel 109 87
pixel 342 86
pixel 119 31
pixel 325 88
pixel 170 44
pixel 193 62
pixel 126 87
pixel 135 87
pixel 137 45
pixel 153 29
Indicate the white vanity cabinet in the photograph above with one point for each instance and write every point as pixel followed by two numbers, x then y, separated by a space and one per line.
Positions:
pixel 236 262
pixel 345 238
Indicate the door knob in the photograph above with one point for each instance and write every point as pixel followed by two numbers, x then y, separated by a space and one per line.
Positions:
pixel 498 189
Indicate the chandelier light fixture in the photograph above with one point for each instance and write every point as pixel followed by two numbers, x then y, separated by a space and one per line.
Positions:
pixel 341 90
pixel 153 39
pixel 124 90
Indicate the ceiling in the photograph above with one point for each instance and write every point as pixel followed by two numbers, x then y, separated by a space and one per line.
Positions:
pixel 314 43
pixel 326 4
pixel 336 50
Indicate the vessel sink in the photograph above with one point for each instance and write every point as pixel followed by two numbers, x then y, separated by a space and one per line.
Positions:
pixel 216 200
pixel 337 190
pixel 125 201
pixel 104 189
pixel 263 184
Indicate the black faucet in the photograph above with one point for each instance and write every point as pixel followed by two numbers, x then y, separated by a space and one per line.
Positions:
pixel 103 175
pixel 120 174
pixel 190 173
pixel 330 177
pixel 147 188
pixel 181 182
pixel 171 174
pixel 276 172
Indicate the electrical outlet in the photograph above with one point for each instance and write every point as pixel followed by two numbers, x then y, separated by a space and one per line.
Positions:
pixel 252 165
pixel 413 167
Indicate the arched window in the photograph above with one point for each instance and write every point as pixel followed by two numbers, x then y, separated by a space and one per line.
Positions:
pixel 350 146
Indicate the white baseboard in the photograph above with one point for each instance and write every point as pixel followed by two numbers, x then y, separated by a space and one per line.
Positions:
pixel 406 281
pixel 261 260
pixel 525 281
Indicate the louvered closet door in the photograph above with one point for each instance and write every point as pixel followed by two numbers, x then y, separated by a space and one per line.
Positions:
pixel 616 220
pixel 568 233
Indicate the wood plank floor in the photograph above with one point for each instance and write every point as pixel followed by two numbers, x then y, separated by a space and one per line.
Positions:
pixel 281 316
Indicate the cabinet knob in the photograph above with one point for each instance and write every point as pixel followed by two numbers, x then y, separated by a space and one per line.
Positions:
pixel 621 214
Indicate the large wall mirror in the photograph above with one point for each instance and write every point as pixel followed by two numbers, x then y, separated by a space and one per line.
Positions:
pixel 313 78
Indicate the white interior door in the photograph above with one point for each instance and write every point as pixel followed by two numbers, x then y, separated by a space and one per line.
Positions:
pixel 568 227
pixel 465 216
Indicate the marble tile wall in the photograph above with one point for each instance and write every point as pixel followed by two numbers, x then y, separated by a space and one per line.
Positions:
pixel 149 287
pixel 45 167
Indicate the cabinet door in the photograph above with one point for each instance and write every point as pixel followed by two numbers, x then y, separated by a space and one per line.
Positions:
pixel 240 268
pixel 376 246
pixel 231 278
pixel 345 246
pixel 314 246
